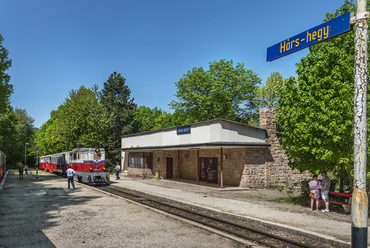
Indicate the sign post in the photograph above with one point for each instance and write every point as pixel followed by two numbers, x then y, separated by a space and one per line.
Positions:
pixel 359 196
pixel 323 32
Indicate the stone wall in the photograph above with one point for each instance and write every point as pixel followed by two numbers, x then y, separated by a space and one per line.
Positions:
pixel 136 172
pixel 277 169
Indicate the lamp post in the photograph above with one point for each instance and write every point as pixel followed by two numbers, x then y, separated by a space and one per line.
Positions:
pixel 25 152
pixel 37 151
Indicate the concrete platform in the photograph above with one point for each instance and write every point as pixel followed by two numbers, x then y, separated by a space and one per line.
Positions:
pixel 252 204
pixel 29 218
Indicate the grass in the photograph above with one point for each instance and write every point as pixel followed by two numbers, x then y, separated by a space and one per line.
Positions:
pixel 304 199
pixel 292 200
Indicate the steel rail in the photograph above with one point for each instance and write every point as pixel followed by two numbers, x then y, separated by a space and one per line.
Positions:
pixel 212 218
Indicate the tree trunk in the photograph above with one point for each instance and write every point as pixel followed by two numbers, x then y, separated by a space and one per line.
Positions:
pixel 350 178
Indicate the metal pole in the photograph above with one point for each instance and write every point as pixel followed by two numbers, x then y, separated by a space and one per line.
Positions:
pixel 360 198
pixel 25 153
pixel 37 155
pixel 37 148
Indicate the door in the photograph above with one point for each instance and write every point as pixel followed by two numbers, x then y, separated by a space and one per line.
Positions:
pixel 169 170
pixel 208 170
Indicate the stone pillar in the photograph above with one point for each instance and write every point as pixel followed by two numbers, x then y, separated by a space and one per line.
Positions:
pixel 268 119
pixel 271 170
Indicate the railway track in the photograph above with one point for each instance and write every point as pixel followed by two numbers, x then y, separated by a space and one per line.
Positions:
pixel 193 214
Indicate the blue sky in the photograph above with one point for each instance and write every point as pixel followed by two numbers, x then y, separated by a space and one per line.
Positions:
pixel 57 46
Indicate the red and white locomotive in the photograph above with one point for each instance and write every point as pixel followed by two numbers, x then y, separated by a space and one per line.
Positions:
pixel 2 165
pixel 88 163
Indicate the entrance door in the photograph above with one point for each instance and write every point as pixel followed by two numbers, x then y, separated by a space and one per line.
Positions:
pixel 208 170
pixel 169 170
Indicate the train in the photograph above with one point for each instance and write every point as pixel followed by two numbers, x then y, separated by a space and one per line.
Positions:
pixel 88 163
pixel 2 165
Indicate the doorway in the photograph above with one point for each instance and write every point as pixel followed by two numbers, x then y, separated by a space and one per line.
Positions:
pixel 169 168
pixel 208 170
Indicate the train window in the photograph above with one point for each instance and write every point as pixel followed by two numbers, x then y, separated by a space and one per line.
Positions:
pixel 75 156
pixel 78 156
pixel 96 156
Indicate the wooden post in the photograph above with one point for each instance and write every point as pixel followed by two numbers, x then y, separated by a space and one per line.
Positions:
pixel 222 169
pixel 178 165
pixel 198 169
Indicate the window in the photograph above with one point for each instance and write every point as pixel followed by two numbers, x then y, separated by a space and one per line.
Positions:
pixel 140 160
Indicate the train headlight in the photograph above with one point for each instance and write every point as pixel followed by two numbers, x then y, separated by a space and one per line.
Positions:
pixel 91 169
pixel 103 168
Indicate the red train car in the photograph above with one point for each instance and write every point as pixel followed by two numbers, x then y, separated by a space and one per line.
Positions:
pixel 88 163
pixel 2 165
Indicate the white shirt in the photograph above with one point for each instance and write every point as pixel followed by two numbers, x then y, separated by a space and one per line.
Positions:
pixel 118 167
pixel 70 172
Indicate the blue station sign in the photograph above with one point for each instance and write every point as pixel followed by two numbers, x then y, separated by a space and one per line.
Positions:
pixel 320 33
pixel 183 130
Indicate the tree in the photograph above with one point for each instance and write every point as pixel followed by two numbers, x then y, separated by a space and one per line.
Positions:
pixel 8 134
pixel 116 100
pixel 223 91
pixel 146 119
pixel 6 89
pixel 79 122
pixel 316 110
pixel 267 96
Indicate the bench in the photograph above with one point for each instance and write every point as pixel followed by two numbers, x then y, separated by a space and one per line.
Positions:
pixel 345 205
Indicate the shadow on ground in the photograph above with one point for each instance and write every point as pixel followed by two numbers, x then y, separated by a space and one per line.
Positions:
pixel 26 211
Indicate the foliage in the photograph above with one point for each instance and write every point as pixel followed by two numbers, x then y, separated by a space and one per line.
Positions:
pixel 79 122
pixel 316 109
pixel 116 101
pixel 6 89
pixel 223 91
pixel 267 95
pixel 15 125
pixel 146 119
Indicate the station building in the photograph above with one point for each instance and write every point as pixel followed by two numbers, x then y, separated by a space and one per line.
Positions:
pixel 216 151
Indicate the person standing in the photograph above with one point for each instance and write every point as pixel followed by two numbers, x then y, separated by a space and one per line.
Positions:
pixel 325 190
pixel 117 171
pixel 20 169
pixel 26 168
pixel 315 186
pixel 70 173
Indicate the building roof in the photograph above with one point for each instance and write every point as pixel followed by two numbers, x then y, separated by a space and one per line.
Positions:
pixel 193 124
pixel 199 145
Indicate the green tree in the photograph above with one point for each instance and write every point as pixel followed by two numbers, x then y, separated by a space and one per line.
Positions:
pixel 223 91
pixel 6 89
pixel 146 119
pixel 316 110
pixel 23 127
pixel 116 100
pixel 267 96
pixel 8 134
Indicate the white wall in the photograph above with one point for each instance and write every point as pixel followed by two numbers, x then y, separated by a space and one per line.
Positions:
pixel 218 131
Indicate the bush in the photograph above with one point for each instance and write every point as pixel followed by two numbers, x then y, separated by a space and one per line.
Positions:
pixel 305 190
